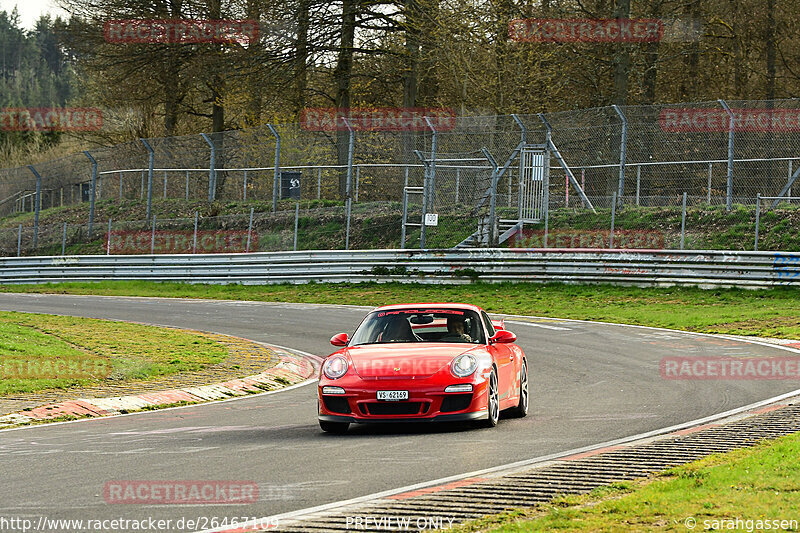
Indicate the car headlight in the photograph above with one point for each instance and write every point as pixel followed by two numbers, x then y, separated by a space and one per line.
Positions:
pixel 464 365
pixel 335 367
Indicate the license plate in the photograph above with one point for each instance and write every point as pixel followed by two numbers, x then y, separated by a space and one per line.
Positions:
pixel 393 395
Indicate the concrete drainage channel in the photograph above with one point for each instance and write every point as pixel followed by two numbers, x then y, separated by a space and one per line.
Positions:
pixel 444 506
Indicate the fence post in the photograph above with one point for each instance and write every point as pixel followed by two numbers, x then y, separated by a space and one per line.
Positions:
pixel 277 175
pixel 92 192
pixel 319 183
pixel 432 168
pixel 19 240
pixel 37 206
pixel 708 192
pixel 249 230
pixel 790 177
pixel 405 217
pixel 296 219
pixel 153 237
pixel 348 193
pixel 108 238
pixel 683 221
pixel 165 185
pixel 358 179
pixel 244 188
pixel 622 149
pixel 151 160
pixel 638 183
pixel 120 185
pixel 458 181
pixel 493 234
pixel 64 240
pixel 212 168
pixel 613 216
pixel 729 188
pixel 194 240
pixel 758 219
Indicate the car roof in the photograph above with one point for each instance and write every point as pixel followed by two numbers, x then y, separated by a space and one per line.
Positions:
pixel 430 304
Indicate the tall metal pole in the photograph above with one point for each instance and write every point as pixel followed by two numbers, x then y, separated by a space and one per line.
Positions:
pixel 432 175
pixel 93 190
pixel 683 221
pixel 622 150
pixel 492 198
pixel 150 163
pixel 37 206
pixel 758 219
pixel 108 238
pixel 729 191
pixel 613 214
pixel 212 168
pixel 296 219
pixel 348 199
pixel 277 175
pixel 249 230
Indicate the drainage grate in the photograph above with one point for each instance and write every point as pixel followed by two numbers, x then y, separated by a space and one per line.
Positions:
pixel 570 475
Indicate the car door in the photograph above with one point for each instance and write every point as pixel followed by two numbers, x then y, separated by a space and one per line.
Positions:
pixel 505 362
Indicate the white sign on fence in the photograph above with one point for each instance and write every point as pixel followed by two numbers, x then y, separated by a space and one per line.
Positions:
pixel 431 219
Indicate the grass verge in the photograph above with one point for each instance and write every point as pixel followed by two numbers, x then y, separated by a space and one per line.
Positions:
pixel 40 352
pixel 769 312
pixel 754 485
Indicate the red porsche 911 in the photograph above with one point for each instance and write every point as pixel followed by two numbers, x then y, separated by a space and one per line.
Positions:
pixel 423 362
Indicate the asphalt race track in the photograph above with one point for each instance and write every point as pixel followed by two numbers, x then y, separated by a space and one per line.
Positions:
pixel 589 383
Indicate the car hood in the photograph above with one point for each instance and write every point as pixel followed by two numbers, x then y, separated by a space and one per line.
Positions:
pixel 404 359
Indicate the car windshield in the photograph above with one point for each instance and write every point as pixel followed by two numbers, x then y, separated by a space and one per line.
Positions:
pixel 420 325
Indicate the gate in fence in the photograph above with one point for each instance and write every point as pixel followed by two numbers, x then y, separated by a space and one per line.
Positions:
pixel 534 176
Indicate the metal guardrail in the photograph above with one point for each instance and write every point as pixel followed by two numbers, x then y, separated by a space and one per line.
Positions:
pixel 630 267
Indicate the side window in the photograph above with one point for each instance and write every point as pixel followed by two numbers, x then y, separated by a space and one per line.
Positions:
pixel 488 322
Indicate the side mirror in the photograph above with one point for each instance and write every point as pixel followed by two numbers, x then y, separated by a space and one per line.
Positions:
pixel 340 339
pixel 503 336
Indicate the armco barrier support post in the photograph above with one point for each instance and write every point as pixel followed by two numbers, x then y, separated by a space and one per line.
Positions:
pixel 150 163
pixel 19 240
pixel 153 237
pixel 683 221
pixel 613 213
pixel 36 207
pixel 348 193
pixel 249 230
pixel 758 219
pixel 622 149
pixel 729 187
pixel 108 238
pixel 296 219
pixel 64 240
pixel 92 192
pixel 276 177
pixel 212 168
pixel 194 239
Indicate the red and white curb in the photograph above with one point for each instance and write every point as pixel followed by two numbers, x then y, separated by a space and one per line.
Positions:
pixel 291 370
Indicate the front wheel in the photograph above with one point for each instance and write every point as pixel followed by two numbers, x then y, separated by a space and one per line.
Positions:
pixel 334 427
pixel 521 408
pixel 492 403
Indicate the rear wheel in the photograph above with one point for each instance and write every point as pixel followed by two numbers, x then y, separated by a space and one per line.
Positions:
pixel 522 407
pixel 492 403
pixel 334 427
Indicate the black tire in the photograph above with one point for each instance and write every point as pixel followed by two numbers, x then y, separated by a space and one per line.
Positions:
pixel 492 403
pixel 334 427
pixel 521 410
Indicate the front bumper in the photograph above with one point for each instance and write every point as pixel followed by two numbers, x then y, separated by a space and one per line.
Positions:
pixel 454 417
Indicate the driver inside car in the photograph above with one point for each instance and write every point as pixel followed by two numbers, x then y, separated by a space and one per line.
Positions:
pixel 456 330
pixel 398 330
